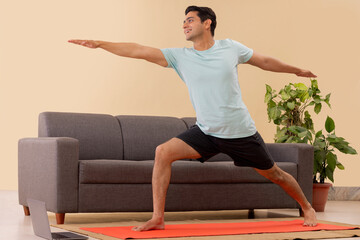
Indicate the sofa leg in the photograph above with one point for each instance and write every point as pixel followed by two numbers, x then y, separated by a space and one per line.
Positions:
pixel 301 213
pixel 26 211
pixel 60 218
pixel 251 214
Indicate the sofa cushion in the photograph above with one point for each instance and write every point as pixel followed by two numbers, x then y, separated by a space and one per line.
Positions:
pixel 125 171
pixel 99 135
pixel 142 134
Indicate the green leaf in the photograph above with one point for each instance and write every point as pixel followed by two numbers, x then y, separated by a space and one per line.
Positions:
pixel 310 91
pixel 348 150
pixel 329 124
pixel 280 132
pixel 290 105
pixel 267 97
pixel 331 160
pixel 314 83
pixel 334 137
pixel 303 134
pixel 268 89
pixel 271 104
pixel 304 96
pixel 274 113
pixel 320 144
pixel 284 95
pixel 317 168
pixel 282 139
pixel 309 136
pixel 318 134
pixel 340 166
pixel 277 121
pixel 281 108
pixel 308 121
pixel 300 129
pixel 317 99
pixel 317 108
pixel 293 129
pixel 300 86
pixel 327 100
pixel 319 156
pixel 329 173
pixel 288 89
pixel 293 93
pixel 311 103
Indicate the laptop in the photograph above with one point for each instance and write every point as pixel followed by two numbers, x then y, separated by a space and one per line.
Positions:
pixel 41 225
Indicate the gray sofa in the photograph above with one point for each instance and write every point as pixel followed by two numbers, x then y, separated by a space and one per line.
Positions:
pixel 101 163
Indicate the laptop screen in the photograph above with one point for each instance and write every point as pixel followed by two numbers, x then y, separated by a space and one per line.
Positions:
pixel 39 218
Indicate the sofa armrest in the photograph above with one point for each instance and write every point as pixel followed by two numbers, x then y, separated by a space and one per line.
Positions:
pixel 303 155
pixel 48 171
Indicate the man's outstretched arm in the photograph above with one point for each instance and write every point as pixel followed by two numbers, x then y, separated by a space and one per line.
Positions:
pixel 274 65
pixel 132 50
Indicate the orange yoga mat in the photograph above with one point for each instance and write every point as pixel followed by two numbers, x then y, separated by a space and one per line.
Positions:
pixel 214 229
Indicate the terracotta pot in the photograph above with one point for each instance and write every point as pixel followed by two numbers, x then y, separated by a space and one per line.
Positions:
pixel 320 196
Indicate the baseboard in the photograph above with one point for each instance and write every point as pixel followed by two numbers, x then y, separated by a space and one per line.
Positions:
pixel 344 194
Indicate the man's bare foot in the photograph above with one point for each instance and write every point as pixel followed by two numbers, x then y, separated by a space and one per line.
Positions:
pixel 152 224
pixel 310 218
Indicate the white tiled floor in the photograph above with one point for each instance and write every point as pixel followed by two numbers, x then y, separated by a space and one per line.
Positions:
pixel 15 226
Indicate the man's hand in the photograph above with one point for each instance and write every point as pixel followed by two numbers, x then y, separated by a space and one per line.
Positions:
pixel 86 43
pixel 305 73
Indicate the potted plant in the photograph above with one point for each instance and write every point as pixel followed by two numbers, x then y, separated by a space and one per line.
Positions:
pixel 288 109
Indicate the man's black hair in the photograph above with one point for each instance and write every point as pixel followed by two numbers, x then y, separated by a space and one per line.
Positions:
pixel 204 13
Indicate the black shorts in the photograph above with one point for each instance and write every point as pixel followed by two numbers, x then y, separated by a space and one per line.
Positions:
pixel 248 151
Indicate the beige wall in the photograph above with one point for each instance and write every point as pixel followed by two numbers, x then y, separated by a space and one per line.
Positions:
pixel 40 71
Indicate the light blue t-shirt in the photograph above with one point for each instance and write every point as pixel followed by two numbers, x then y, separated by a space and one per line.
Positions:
pixel 212 80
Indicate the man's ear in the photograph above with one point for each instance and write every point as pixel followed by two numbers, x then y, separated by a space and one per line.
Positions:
pixel 208 23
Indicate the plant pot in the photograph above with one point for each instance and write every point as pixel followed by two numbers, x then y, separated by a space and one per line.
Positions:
pixel 320 196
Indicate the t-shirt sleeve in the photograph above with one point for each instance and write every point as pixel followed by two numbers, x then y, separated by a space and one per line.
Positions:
pixel 170 56
pixel 244 53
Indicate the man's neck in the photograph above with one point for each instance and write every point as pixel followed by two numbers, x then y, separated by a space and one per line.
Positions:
pixel 204 44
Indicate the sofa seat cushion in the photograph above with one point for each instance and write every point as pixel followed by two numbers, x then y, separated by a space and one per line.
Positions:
pixel 125 171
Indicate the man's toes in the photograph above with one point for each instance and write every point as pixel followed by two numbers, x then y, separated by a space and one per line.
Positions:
pixel 136 229
pixel 309 224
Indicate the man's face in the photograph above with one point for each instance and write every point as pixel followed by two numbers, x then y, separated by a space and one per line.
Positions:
pixel 192 26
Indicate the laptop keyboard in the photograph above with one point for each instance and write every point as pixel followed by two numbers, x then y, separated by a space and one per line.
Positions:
pixel 66 235
pixel 56 236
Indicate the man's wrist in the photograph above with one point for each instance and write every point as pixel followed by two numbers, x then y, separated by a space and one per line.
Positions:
pixel 297 71
pixel 99 44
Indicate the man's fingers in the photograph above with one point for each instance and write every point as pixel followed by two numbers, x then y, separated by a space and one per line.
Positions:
pixel 311 75
pixel 306 73
pixel 79 42
pixel 86 43
pixel 75 41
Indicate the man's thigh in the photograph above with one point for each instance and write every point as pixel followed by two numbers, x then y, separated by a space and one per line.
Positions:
pixel 248 151
pixel 177 149
pixel 200 142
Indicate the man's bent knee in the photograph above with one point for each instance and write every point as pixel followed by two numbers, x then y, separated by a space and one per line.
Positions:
pixel 162 154
pixel 173 150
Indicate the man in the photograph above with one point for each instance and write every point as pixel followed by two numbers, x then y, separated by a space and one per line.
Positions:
pixel 223 124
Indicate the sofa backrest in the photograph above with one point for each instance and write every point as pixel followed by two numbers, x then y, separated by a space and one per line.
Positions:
pixel 99 135
pixel 126 137
pixel 142 134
